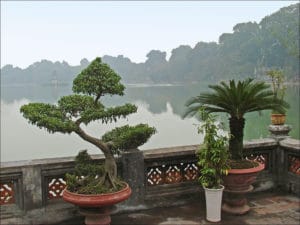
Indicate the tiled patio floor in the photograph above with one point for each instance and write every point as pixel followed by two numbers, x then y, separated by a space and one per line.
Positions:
pixel 266 209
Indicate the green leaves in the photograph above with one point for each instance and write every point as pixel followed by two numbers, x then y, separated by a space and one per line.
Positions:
pixel 278 86
pixel 74 105
pixel 129 137
pixel 236 98
pixel 73 110
pixel 107 115
pixel 49 117
pixel 97 80
pixel 213 154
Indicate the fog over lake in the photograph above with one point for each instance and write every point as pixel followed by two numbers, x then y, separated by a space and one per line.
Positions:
pixel 159 106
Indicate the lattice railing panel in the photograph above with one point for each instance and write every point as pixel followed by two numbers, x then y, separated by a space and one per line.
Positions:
pixel 294 164
pixel 172 173
pixel 191 172
pixel 7 193
pixel 155 175
pixel 55 187
pixel 260 157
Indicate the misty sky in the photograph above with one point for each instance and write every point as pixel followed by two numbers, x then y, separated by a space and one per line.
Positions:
pixel 72 30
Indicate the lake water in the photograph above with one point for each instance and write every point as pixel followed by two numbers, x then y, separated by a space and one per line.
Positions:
pixel 160 106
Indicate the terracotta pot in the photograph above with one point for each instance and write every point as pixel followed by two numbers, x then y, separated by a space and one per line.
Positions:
pixel 278 119
pixel 108 199
pixel 241 179
pixel 96 208
pixel 237 183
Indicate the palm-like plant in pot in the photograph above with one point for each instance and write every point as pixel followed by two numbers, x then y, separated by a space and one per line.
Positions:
pixel 237 99
pixel 213 162
pixel 81 108
pixel 278 88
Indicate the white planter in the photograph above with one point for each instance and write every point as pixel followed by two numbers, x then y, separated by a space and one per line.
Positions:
pixel 213 204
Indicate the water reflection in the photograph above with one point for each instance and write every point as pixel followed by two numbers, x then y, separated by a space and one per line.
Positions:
pixel 159 106
pixel 21 140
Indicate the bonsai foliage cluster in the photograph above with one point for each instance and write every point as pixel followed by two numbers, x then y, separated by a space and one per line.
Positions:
pixel 213 154
pixel 84 107
pixel 278 86
pixel 236 99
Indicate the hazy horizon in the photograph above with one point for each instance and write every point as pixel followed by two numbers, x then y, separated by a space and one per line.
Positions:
pixel 30 32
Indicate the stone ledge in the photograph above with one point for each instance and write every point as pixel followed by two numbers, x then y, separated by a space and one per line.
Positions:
pixel 170 151
pixel 290 143
pixel 260 143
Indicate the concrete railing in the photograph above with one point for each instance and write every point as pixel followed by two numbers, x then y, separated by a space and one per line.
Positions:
pixel 31 190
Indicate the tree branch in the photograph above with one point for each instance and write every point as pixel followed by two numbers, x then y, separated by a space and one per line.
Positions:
pixel 95 141
pixel 97 98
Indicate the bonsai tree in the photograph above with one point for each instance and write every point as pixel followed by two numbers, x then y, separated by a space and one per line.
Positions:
pixel 213 153
pixel 84 107
pixel 236 99
pixel 278 87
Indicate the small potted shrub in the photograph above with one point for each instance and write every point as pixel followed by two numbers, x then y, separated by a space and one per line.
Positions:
pixel 237 99
pixel 278 88
pixel 92 186
pixel 213 162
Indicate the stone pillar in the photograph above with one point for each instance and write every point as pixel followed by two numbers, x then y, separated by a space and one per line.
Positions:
pixel 132 162
pixel 279 132
pixel 32 187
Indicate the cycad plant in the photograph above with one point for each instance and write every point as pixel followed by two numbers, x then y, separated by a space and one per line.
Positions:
pixel 83 107
pixel 236 99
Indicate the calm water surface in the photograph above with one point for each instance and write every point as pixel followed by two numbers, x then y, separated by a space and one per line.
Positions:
pixel 160 106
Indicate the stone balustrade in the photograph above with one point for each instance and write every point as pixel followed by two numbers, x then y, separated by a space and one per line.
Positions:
pixel 31 190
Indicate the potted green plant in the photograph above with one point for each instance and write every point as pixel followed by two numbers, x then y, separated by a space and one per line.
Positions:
pixel 213 162
pixel 278 88
pixel 237 99
pixel 81 108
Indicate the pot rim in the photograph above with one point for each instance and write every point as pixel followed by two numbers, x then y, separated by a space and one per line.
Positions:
pixel 97 195
pixel 259 168
pixel 100 200
pixel 214 189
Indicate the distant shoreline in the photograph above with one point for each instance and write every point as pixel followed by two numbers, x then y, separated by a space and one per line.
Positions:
pixel 137 85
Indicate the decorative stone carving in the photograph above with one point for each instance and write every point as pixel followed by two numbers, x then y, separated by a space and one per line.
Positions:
pixel 7 193
pixel 56 187
pixel 294 164
pixel 171 174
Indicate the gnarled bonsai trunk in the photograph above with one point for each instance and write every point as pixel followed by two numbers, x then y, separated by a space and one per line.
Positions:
pixel 236 138
pixel 109 178
pixel 110 170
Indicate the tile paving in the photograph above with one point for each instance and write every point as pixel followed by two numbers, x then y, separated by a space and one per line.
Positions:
pixel 266 209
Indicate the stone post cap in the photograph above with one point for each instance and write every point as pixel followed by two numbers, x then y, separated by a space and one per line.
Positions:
pixel 280 132
pixel 285 129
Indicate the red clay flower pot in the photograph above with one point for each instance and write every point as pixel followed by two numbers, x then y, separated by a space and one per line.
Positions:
pixel 96 208
pixel 237 183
